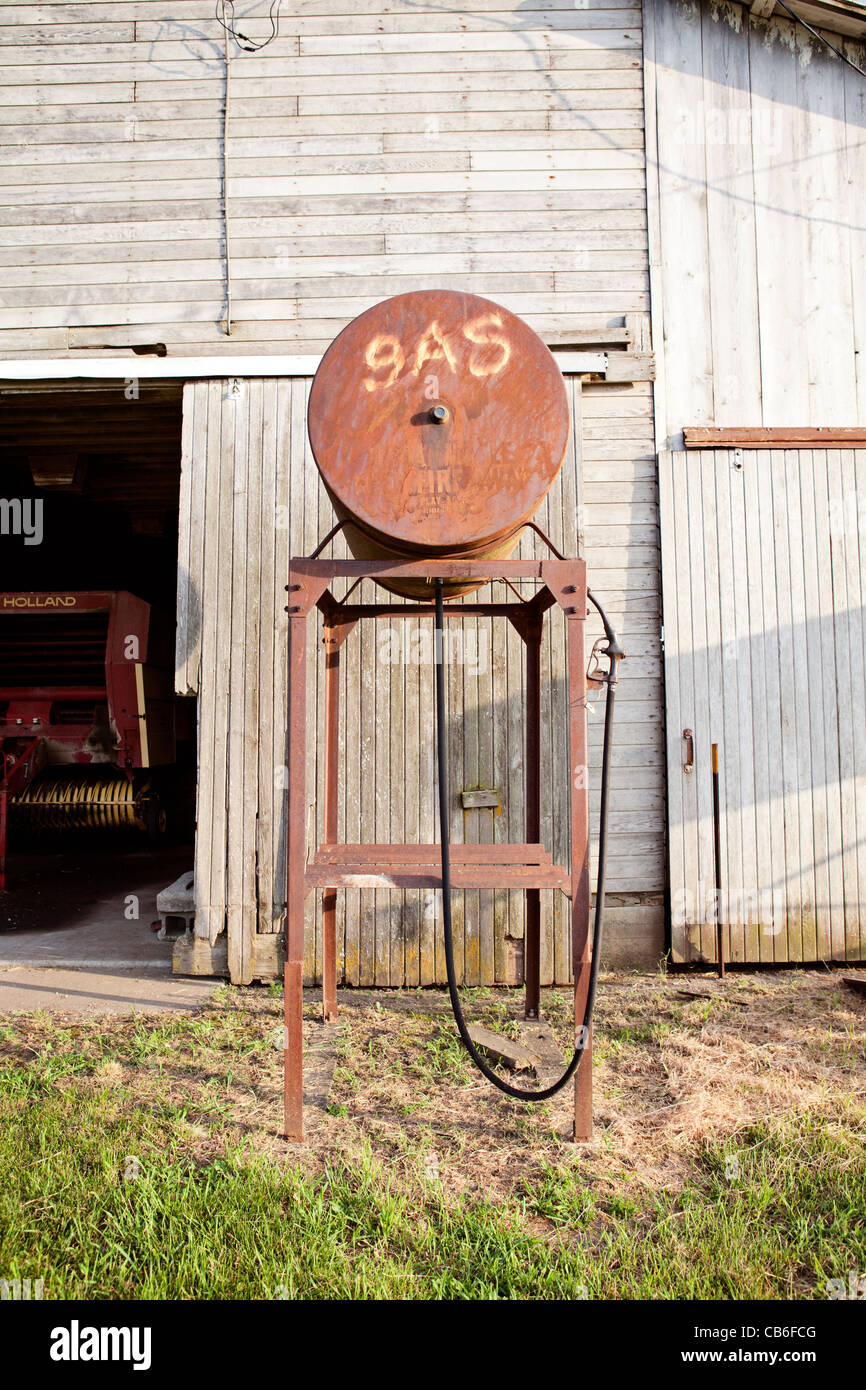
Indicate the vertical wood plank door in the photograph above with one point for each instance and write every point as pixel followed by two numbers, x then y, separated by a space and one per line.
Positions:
pixel 764 640
pixel 251 498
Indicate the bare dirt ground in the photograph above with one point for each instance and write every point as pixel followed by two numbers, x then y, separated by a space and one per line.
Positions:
pixel 679 1060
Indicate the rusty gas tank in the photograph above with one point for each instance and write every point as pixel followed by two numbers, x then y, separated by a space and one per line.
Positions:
pixel 439 421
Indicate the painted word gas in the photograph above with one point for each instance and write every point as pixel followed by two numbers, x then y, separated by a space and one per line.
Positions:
pixel 385 353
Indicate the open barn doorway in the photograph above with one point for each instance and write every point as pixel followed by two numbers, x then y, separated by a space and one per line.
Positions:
pixel 98 754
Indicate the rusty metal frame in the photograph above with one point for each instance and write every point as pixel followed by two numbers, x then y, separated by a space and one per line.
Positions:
pixel 527 866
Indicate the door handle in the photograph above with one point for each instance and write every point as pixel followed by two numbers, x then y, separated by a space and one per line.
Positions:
pixel 689 764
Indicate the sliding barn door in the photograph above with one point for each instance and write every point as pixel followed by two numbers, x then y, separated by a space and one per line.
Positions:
pixel 251 497
pixel 763 591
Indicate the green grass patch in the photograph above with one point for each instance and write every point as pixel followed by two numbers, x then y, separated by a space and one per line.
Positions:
pixel 139 1158
pixel 774 1215
pixel 103 1202
pixel 102 1199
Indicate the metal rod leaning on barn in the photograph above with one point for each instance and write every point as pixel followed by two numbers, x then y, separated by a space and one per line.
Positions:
pixel 717 863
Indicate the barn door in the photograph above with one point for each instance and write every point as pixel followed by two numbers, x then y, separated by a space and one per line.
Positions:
pixel 764 655
pixel 251 497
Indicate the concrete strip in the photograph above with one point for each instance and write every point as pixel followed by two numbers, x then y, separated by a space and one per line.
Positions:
pixel 86 993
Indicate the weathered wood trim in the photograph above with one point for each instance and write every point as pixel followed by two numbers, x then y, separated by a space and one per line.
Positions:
pixel 634 937
pixel 825 14
pixel 702 437
pixel 629 366
pixel 610 366
pixel 218 368
pixel 194 955
pixel 653 206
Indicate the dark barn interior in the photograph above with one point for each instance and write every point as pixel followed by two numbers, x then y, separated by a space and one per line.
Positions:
pixel 107 470
pixel 99 466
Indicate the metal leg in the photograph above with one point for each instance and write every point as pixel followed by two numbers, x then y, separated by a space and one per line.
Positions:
pixel 580 891
pixel 329 895
pixel 532 942
pixel 294 1059
pixel 18 772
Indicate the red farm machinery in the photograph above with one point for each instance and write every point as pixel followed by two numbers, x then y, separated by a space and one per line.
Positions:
pixel 87 713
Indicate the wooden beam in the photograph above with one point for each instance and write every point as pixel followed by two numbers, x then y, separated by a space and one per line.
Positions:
pixel 629 366
pixel 587 337
pixel 838 18
pixel 190 368
pixel 848 19
pixel 192 955
pixel 735 437
pixel 504 1051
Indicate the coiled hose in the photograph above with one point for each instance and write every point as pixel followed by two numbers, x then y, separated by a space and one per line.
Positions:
pixel 614 651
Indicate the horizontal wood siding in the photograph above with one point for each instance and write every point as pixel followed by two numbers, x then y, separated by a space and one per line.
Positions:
pixel 764 655
pixel 251 497
pixel 493 149
pixel 757 175
pixel 371 150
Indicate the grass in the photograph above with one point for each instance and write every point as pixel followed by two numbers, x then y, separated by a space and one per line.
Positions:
pixel 139 1159
pixel 109 1204
pixel 791 1219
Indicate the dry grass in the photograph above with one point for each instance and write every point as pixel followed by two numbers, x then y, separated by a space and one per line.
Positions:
pixel 672 1071
pixel 680 1061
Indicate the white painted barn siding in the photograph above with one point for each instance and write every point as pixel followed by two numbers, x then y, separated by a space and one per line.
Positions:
pixel 370 151
pixel 764 655
pixel 492 148
pixel 757 182
pixel 756 156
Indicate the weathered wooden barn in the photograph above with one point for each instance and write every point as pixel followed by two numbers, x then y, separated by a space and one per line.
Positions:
pixel 674 196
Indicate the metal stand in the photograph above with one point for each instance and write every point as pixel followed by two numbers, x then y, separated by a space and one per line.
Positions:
pixel 527 866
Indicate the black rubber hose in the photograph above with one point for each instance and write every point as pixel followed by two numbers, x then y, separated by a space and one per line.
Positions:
pixel 615 653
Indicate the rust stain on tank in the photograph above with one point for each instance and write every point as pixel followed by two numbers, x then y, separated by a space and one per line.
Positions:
pixel 438 421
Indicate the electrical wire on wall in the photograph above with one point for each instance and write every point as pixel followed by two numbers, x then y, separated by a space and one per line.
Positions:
pixel 225 15
pixel 225 181
pixel 243 40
